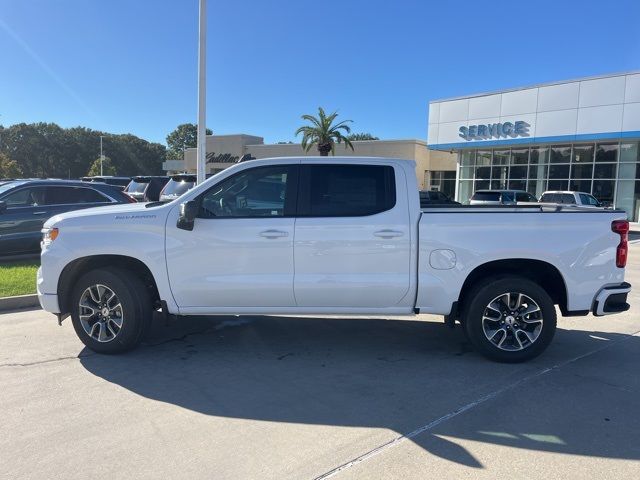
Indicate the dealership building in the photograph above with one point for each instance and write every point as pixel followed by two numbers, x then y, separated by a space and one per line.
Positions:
pixel 572 135
pixel 435 170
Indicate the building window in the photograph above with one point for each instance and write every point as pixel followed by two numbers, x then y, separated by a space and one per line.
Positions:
pixel 443 181
pixel 610 171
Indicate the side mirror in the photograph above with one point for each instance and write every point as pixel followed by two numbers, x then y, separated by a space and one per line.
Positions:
pixel 3 206
pixel 188 214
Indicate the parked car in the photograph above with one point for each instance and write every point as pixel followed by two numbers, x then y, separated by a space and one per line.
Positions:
pixel 120 182
pixel 177 185
pixel 361 245
pixel 572 198
pixel 433 197
pixel 502 197
pixel 146 189
pixel 26 204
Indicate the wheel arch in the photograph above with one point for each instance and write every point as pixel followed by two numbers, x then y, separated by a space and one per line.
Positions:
pixel 78 267
pixel 543 273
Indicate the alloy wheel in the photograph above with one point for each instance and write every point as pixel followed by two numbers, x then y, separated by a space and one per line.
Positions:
pixel 100 313
pixel 512 321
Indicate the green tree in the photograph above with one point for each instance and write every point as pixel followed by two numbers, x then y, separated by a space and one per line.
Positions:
pixel 183 137
pixel 323 133
pixel 355 137
pixel 46 150
pixel 107 167
pixel 9 168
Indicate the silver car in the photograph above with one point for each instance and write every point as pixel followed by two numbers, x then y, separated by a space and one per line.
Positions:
pixel 502 197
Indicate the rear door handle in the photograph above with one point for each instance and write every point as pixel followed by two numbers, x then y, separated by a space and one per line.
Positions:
pixel 39 213
pixel 388 233
pixel 274 234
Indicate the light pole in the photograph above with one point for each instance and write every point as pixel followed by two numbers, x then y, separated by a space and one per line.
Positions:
pixel 101 156
pixel 202 138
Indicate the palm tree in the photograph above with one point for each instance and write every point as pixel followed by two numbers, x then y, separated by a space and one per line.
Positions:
pixel 323 133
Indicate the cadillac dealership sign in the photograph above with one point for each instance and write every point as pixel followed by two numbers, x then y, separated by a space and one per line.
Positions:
pixel 495 130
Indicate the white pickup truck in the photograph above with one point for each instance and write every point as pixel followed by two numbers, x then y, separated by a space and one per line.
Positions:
pixel 332 236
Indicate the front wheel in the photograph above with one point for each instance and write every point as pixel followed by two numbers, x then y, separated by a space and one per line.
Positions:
pixel 110 310
pixel 510 319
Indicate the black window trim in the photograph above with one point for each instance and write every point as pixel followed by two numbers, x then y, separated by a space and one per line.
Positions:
pixel 291 198
pixel 304 197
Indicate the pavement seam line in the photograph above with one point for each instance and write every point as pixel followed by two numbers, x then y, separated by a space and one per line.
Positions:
pixel 51 360
pixel 401 438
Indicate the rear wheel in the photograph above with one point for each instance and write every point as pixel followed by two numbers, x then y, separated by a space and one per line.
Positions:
pixel 110 310
pixel 510 319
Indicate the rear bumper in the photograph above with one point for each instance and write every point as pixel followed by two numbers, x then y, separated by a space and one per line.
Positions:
pixel 611 299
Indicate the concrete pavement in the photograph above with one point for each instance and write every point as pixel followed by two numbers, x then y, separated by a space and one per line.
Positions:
pixel 283 397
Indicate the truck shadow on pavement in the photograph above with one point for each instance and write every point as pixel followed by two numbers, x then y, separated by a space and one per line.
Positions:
pixel 410 377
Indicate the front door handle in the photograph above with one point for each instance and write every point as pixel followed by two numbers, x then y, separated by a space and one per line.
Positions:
pixel 388 233
pixel 39 213
pixel 274 234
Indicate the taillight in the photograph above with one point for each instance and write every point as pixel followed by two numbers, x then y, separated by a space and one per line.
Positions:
pixel 621 227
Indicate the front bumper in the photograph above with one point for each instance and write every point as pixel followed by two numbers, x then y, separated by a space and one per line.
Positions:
pixel 611 299
pixel 48 301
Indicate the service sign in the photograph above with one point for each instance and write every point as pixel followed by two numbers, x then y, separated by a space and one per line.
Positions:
pixel 495 130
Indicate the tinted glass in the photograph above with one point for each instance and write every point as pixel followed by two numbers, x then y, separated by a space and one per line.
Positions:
pixel 588 199
pixel 486 196
pixel 567 198
pixel 519 156
pixel 603 190
pixel 26 197
pixel 580 185
pixel 607 152
pixel 582 170
pixel 518 184
pixel 582 154
pixel 558 185
pixel 523 197
pixel 72 195
pixel 137 187
pixel 605 170
pixel 176 187
pixel 258 192
pixel 349 190
pixel 550 198
pixel 483 165
pixel 508 197
pixel 561 154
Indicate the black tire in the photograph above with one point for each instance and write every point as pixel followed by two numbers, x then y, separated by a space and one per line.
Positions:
pixel 136 309
pixel 477 306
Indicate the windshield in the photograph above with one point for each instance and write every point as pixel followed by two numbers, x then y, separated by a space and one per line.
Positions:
pixel 177 187
pixel 137 187
pixel 8 186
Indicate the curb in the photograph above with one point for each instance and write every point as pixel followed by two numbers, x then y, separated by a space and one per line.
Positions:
pixel 18 302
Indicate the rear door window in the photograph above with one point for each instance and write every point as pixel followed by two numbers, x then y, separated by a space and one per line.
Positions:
pixel 508 197
pixel 568 199
pixel 346 190
pixel 61 195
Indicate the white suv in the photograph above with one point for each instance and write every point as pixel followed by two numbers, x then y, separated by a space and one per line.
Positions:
pixel 571 198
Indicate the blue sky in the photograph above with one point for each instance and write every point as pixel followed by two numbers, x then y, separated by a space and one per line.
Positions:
pixel 131 65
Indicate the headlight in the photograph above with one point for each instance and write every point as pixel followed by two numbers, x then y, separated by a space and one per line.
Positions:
pixel 49 235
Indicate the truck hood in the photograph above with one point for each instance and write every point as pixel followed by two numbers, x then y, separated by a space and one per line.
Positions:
pixel 127 210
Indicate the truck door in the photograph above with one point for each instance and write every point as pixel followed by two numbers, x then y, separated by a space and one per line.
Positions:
pixel 352 236
pixel 240 251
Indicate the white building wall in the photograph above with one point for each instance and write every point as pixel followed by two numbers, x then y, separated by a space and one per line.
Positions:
pixel 589 109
